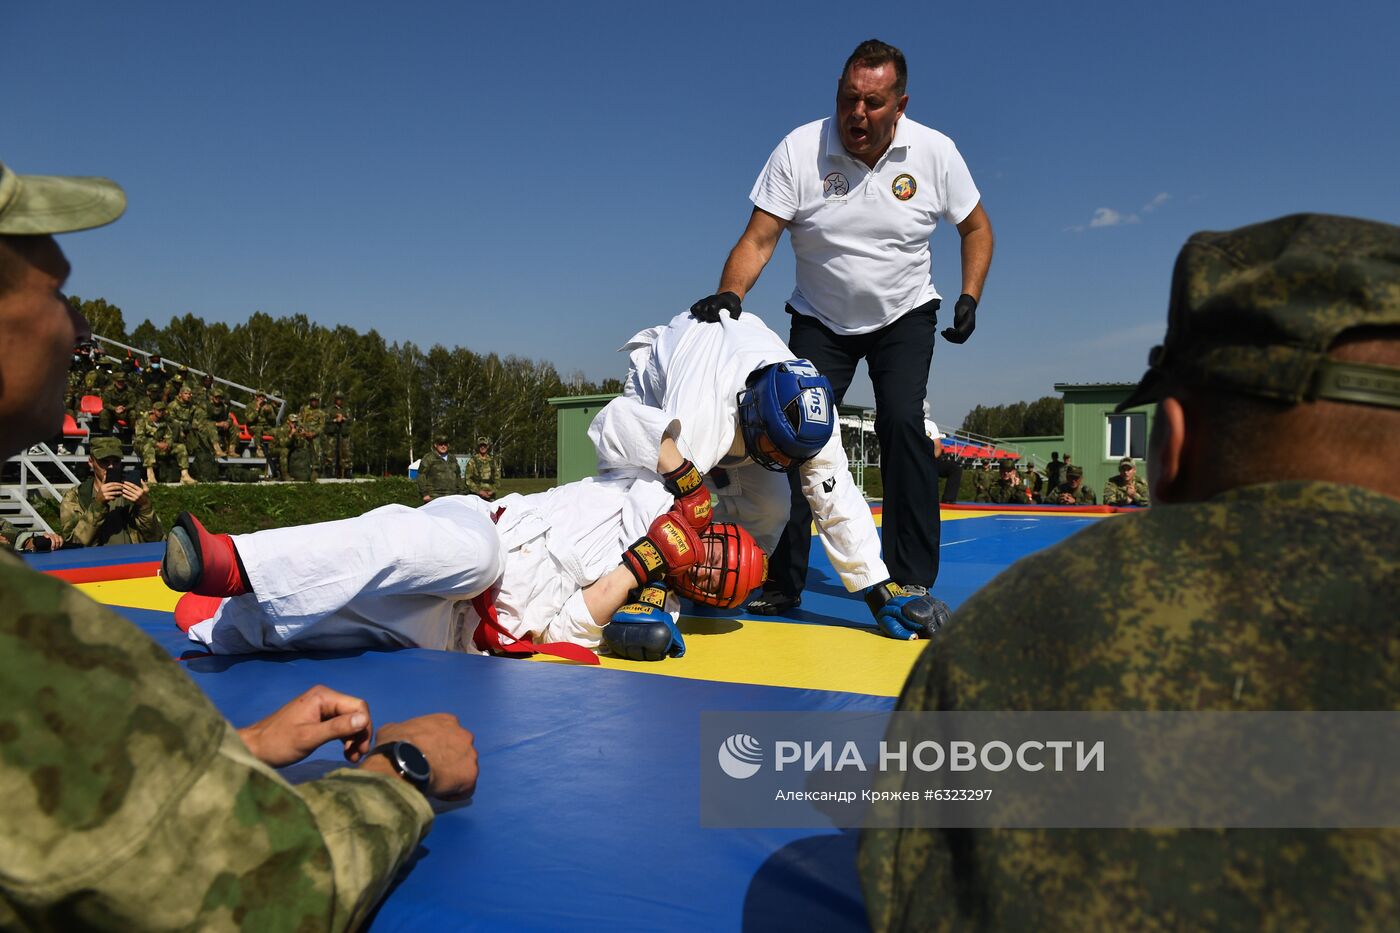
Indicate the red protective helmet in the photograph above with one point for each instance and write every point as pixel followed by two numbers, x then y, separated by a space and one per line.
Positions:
pixel 732 566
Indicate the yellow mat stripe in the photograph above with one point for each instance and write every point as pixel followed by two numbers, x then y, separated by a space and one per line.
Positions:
pixel 140 593
pixel 785 654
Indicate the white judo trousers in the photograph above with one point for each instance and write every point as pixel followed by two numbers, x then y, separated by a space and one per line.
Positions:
pixel 404 577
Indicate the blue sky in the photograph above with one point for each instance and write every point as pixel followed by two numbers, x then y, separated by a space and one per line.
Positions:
pixel 547 179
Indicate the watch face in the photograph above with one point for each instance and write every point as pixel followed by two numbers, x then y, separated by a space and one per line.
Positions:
pixel 414 763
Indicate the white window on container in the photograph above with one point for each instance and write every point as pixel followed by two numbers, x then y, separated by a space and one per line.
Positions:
pixel 1127 436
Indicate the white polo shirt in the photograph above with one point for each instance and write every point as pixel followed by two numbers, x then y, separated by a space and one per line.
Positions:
pixel 861 235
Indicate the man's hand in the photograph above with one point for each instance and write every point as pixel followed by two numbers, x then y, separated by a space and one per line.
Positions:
pixel 692 498
pixel 447 746
pixel 138 494
pixel 308 722
pixel 708 309
pixel 964 320
pixel 106 492
pixel 669 547
pixel 55 541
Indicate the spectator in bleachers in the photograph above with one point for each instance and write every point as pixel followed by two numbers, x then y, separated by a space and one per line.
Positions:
pixel 1126 488
pixel 118 420
pixel 221 428
pixel 1072 491
pixel 107 508
pixel 156 445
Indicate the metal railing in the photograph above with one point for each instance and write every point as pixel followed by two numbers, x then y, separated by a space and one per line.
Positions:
pixel 281 402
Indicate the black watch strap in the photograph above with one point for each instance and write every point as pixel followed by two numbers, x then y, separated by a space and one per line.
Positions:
pixel 411 764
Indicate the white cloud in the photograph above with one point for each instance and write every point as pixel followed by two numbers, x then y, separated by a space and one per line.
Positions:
pixel 1108 217
pixel 1156 202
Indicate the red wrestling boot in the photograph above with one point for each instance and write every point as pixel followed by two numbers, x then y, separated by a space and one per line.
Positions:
pixel 193 609
pixel 199 562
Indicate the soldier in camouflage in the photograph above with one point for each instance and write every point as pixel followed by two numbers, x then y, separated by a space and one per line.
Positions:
pixel 438 474
pixel 155 443
pixel 187 418
pixel 130 803
pixel 982 480
pixel 1072 491
pixel 14 538
pixel 261 421
pixel 1265 578
pixel 1008 488
pixel 483 471
pixel 220 428
pixel 287 439
pixel 313 430
pixel 1127 488
pixel 338 433
pixel 105 508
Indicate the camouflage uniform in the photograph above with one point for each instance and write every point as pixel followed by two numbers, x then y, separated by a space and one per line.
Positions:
pixel 483 472
pixel 287 438
pixel 338 439
pixel 1173 628
pixel 217 413
pixel 1267 596
pixel 149 434
pixel 132 804
pixel 1005 491
pixel 1115 490
pixel 84 519
pixel 9 536
pixel 982 484
pixel 313 428
pixel 1082 496
pixel 188 419
pixel 438 476
pixel 261 420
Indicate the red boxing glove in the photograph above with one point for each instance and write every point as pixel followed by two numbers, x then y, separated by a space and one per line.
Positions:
pixel 670 546
pixel 692 498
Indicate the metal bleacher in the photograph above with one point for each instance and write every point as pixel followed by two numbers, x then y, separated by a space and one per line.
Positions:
pixel 45 470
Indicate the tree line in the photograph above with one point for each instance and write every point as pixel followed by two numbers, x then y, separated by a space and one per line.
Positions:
pixel 1044 416
pixel 399 395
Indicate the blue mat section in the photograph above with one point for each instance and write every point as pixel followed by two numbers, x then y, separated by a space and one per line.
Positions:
pixel 588 800
pixel 97 556
pixel 973 551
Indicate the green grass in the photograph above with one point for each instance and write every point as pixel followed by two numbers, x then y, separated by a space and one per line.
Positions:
pixel 238 508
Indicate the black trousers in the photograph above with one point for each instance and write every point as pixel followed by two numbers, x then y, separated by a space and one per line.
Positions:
pixel 952 471
pixel 898 357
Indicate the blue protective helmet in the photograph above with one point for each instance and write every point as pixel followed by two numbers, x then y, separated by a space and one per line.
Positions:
pixel 786 412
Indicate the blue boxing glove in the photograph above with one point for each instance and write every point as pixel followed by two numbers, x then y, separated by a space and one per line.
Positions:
pixel 903 616
pixel 643 630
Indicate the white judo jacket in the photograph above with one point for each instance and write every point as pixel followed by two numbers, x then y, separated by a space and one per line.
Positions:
pixel 684 383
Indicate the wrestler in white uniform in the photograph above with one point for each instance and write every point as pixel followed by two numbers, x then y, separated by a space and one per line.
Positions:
pixel 684 383
pixel 404 577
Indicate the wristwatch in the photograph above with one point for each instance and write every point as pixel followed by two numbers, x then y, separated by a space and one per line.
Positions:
pixel 411 764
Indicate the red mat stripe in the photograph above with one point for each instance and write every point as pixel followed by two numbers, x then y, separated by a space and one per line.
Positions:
pixel 105 573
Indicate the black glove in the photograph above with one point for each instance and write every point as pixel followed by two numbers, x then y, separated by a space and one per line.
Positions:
pixel 964 320
pixel 708 309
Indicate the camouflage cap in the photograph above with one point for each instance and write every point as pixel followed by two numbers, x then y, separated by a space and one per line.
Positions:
pixel 293 417
pixel 482 439
pixel 158 406
pixel 1006 464
pixel 1255 310
pixel 440 439
pixel 314 395
pixel 104 448
pixel 1127 463
pixel 36 204
pixel 1072 471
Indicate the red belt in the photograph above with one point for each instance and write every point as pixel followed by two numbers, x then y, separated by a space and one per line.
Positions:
pixel 491 637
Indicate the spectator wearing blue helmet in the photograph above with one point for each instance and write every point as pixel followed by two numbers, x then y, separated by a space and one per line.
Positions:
pixel 725 408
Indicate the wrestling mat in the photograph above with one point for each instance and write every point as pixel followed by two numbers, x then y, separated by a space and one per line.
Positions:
pixel 586 815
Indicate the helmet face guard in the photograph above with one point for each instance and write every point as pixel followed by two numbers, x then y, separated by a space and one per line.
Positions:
pixel 732 567
pixel 786 414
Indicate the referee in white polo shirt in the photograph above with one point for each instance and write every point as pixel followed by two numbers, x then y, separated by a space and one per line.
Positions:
pixel 861 193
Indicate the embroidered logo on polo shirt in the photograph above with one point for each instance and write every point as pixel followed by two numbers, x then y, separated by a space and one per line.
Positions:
pixel 835 186
pixel 904 187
